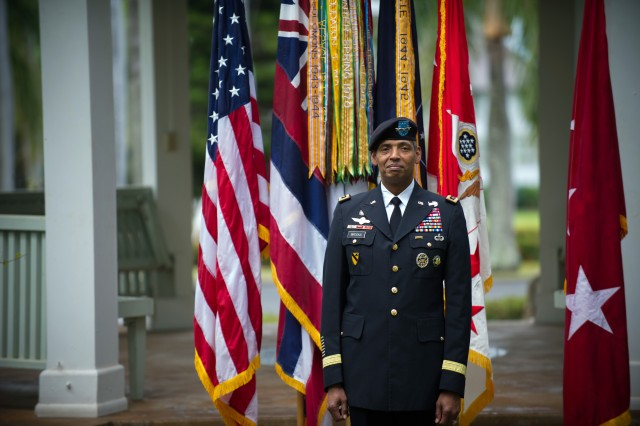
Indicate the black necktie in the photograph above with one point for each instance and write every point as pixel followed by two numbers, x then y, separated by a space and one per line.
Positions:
pixel 396 216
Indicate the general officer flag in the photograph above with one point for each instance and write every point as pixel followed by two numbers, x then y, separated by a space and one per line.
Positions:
pixel 234 228
pixel 596 356
pixel 453 168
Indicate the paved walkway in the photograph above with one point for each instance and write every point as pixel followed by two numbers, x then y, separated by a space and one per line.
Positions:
pixel 527 372
pixel 527 367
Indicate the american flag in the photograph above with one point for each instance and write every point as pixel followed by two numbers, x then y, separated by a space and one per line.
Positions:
pixel 234 229
pixel 299 217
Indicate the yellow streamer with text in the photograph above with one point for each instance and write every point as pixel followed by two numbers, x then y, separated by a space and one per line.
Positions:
pixel 346 133
pixel 334 12
pixel 316 99
pixel 405 67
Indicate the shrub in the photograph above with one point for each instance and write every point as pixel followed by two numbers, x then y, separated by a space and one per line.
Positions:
pixel 527 197
pixel 503 309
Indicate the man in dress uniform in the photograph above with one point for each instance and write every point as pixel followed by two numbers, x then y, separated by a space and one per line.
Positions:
pixel 396 307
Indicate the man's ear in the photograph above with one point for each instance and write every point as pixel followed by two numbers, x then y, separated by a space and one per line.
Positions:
pixel 418 154
pixel 373 158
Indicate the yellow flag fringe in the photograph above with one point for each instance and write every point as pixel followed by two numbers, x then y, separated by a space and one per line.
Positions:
pixel 215 392
pixel 623 419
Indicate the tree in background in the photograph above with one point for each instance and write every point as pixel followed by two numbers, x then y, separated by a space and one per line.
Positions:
pixel 20 98
pixel 504 250
pixel 499 19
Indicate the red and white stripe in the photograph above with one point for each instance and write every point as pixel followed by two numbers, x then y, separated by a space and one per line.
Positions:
pixel 234 230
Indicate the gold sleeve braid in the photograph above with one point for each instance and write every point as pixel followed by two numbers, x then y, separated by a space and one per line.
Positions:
pixel 331 360
pixel 454 366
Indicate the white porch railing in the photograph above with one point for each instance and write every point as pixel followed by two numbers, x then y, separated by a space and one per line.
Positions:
pixel 23 331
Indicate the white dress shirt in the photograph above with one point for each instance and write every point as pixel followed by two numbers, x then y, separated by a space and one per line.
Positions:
pixel 404 196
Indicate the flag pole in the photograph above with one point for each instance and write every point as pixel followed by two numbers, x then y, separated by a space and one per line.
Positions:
pixel 300 409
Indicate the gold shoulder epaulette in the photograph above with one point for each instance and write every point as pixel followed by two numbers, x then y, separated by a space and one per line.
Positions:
pixel 344 198
pixel 452 199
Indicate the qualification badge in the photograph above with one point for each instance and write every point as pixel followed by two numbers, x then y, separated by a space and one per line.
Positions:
pixel 422 260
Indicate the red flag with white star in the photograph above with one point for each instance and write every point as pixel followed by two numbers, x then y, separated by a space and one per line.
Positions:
pixel 596 356
pixel 453 168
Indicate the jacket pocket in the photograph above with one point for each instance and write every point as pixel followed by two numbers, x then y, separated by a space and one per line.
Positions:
pixel 358 247
pixel 428 254
pixel 352 325
pixel 430 330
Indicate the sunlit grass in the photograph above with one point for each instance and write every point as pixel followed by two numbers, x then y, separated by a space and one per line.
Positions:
pixel 527 220
pixel 269 318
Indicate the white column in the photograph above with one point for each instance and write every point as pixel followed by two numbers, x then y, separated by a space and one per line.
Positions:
pixel 166 149
pixel 83 377
pixel 556 71
pixel 624 62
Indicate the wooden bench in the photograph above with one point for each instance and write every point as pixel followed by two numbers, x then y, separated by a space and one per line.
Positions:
pixel 145 269
pixel 145 266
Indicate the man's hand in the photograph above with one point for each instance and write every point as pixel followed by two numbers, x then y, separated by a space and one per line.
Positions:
pixel 447 408
pixel 337 403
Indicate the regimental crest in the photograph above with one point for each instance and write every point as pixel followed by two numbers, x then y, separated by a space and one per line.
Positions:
pixel 403 128
pixel 355 257
pixel 437 261
pixel 467 143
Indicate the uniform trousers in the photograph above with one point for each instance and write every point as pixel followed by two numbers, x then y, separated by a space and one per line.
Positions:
pixel 364 417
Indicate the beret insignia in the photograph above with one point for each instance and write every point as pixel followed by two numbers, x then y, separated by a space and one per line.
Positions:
pixel 403 128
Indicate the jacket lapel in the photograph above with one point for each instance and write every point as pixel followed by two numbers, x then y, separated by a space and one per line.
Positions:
pixel 373 207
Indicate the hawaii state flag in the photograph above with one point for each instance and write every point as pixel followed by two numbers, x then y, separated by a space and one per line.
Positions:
pixel 318 148
pixel 234 228
pixel 299 222
pixel 453 168
pixel 596 356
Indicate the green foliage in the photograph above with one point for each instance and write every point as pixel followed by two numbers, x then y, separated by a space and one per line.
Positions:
pixel 527 197
pixel 504 309
pixel 263 29
pixel 24 51
pixel 200 30
pixel 17 256
pixel 527 229
pixel 529 244
pixel 523 16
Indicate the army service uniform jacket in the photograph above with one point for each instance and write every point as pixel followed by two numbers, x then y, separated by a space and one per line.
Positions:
pixel 385 334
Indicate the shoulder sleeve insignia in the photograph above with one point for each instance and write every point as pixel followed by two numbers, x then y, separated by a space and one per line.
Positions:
pixel 344 198
pixel 452 199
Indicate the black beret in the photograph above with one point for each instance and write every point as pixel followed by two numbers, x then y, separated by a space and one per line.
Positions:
pixel 397 128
